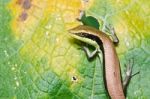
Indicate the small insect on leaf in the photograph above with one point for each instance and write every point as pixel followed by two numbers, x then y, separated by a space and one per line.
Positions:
pixel 74 79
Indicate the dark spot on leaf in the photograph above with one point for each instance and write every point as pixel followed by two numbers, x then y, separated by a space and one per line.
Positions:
pixel 19 2
pixel 74 78
pixel 26 4
pixel 23 16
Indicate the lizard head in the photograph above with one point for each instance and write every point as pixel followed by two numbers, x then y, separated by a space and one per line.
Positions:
pixel 85 34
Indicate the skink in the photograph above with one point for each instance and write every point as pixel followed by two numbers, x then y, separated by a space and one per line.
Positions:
pixel 95 38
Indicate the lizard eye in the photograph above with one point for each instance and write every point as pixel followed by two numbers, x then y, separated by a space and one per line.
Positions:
pixel 83 34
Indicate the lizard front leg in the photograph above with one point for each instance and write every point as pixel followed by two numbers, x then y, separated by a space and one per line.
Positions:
pixel 109 28
pixel 91 55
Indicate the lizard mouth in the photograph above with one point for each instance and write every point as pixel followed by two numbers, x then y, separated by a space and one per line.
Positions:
pixel 89 36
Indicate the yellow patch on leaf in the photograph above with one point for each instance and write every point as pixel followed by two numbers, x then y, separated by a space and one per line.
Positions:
pixel 25 21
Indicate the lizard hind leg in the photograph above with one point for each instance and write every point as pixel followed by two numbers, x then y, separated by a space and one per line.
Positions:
pixel 128 74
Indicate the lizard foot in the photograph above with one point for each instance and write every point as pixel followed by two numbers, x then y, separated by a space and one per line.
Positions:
pixel 128 74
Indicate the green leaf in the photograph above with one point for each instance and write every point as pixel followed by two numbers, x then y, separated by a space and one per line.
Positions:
pixel 90 21
pixel 38 59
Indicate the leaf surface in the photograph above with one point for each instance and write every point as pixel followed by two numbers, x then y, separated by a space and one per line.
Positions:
pixel 39 60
